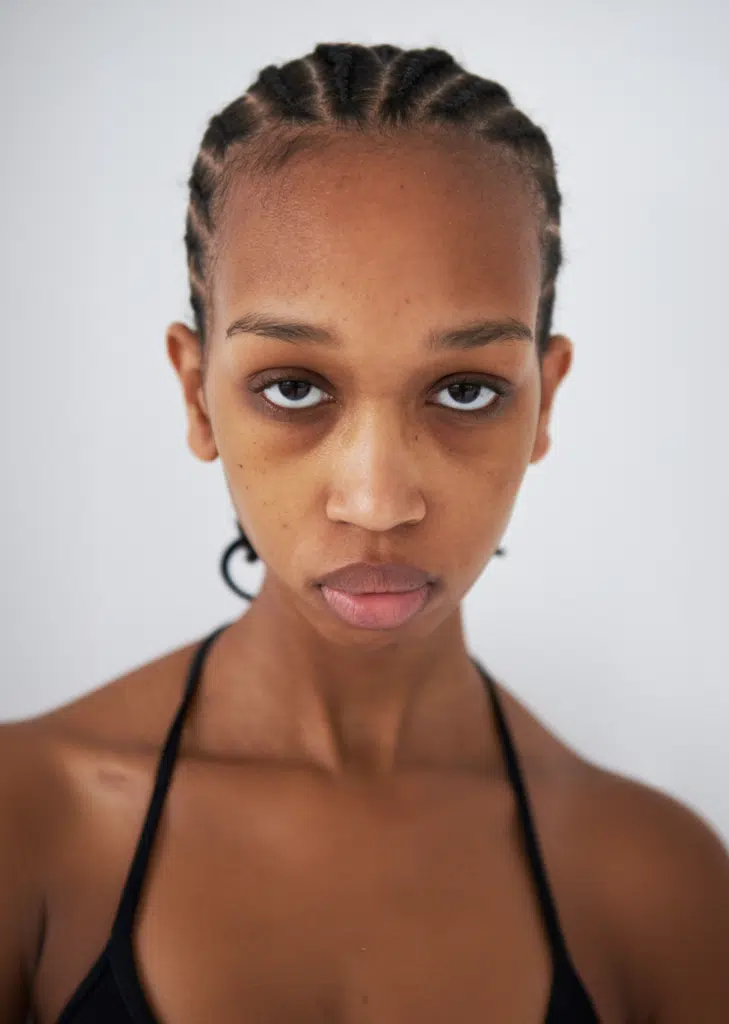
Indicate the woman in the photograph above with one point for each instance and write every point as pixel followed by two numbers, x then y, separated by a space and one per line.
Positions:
pixel 362 824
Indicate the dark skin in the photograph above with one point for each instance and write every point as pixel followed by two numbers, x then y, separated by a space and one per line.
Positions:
pixel 340 841
pixel 382 473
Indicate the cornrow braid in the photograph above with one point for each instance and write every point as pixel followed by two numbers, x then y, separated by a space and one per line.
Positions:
pixel 366 87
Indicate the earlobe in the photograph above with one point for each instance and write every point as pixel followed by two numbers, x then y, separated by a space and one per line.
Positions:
pixel 185 354
pixel 541 444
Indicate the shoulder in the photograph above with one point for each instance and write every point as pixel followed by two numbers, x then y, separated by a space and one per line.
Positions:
pixel 51 762
pixel 653 871
pixel 661 885
pixel 38 753
pixel 27 802
pixel 48 760
pixel 53 766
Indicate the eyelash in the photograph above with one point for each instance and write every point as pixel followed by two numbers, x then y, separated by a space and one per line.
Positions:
pixel 501 389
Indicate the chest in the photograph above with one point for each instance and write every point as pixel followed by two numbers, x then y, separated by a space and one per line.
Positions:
pixel 274 897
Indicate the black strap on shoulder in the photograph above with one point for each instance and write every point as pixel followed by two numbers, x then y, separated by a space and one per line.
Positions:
pixel 546 899
pixel 133 886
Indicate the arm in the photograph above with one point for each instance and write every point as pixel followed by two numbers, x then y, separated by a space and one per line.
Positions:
pixel 20 905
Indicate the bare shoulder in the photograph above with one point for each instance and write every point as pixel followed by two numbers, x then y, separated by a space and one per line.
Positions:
pixel 54 766
pixel 37 753
pixel 661 885
pixel 51 762
pixel 652 870
pixel 22 914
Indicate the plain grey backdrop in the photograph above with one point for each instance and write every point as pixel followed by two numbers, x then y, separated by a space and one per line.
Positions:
pixel 609 616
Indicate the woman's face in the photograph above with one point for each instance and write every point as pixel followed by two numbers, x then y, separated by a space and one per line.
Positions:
pixel 374 451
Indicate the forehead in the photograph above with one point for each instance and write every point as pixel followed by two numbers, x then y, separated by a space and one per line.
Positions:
pixel 435 219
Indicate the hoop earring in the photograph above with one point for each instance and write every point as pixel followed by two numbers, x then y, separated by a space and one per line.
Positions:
pixel 239 542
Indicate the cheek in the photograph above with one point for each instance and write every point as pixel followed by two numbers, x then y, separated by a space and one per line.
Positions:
pixel 266 473
pixel 272 495
pixel 484 485
pixel 471 523
pixel 277 474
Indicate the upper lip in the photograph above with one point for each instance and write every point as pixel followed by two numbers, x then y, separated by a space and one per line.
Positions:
pixel 382 578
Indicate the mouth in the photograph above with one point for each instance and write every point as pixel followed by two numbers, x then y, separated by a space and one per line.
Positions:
pixel 377 596
pixel 377 611
pixel 376 578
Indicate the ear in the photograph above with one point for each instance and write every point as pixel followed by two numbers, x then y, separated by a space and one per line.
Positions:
pixel 556 363
pixel 555 366
pixel 185 354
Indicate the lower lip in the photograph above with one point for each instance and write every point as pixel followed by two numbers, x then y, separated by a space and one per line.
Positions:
pixel 376 611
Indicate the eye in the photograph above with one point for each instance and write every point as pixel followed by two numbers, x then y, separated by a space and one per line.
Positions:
pixel 293 391
pixel 464 395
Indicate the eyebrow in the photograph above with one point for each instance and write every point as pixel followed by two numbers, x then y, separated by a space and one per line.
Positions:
pixel 473 335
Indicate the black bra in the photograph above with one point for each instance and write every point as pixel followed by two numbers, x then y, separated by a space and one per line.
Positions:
pixel 112 992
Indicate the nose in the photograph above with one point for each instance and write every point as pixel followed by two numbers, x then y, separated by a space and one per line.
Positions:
pixel 375 480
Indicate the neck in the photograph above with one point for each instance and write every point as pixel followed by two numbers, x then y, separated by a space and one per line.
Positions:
pixel 377 704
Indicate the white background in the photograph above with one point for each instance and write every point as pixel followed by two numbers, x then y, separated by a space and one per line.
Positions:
pixel 609 615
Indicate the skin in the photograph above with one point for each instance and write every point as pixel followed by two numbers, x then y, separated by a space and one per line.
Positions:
pixel 382 473
pixel 339 843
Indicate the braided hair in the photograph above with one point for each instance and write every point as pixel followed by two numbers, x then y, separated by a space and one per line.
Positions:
pixel 380 88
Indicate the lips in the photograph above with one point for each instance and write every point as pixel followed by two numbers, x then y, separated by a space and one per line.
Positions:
pixel 368 578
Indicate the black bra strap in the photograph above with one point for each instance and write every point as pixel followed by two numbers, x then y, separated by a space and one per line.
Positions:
pixel 546 900
pixel 135 878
